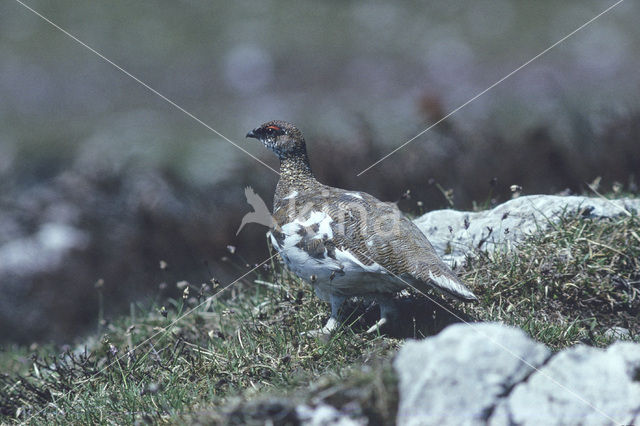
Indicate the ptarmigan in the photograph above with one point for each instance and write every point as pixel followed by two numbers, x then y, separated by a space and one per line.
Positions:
pixel 347 243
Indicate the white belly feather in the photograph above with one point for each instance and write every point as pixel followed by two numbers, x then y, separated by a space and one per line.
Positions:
pixel 345 274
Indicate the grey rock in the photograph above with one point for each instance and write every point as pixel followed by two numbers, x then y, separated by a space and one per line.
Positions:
pixel 457 376
pixel 286 411
pixel 455 234
pixel 618 333
pixel 580 385
pixel 260 411
pixel 325 414
pixel 493 374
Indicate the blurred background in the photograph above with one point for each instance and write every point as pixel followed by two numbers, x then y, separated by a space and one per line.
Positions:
pixel 100 179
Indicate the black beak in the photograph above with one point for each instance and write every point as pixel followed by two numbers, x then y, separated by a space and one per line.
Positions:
pixel 252 134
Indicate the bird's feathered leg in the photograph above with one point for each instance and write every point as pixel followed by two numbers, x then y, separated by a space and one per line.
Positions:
pixel 336 302
pixel 388 314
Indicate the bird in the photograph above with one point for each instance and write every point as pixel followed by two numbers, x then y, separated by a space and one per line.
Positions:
pixel 260 213
pixel 347 243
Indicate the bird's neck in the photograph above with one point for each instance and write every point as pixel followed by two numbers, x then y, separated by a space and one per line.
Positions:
pixel 295 175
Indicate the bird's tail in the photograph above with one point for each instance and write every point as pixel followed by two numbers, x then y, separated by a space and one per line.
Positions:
pixel 444 280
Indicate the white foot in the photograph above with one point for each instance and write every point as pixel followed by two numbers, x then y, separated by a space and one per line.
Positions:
pixel 329 328
pixel 376 327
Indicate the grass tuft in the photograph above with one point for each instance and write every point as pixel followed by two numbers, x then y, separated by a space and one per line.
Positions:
pixel 568 284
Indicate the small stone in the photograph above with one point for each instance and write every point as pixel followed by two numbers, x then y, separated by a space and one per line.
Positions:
pixel 617 333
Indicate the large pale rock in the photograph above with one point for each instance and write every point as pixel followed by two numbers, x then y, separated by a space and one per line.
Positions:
pixel 455 234
pixel 493 374
pixel 581 385
pixel 456 377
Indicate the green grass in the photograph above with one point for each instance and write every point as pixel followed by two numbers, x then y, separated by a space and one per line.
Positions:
pixel 568 284
pixel 235 358
pixel 159 369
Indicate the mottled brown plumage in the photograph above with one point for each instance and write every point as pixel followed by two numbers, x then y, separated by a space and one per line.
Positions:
pixel 350 242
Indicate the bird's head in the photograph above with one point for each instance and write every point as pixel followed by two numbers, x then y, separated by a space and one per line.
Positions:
pixel 281 137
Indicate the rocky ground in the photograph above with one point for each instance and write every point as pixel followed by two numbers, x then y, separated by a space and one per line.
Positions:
pixel 554 339
pixel 61 236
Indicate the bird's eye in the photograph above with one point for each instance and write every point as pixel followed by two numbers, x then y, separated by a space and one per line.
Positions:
pixel 274 130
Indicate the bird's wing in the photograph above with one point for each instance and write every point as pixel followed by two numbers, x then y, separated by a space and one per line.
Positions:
pixel 258 204
pixel 377 233
pixel 254 199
